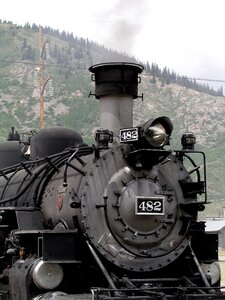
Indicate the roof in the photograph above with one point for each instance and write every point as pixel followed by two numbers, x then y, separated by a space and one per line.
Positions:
pixel 215 225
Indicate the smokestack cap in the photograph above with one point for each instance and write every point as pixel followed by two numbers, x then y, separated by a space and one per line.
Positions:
pixel 116 78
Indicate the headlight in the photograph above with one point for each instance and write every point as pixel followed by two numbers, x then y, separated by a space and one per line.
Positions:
pixel 47 275
pixel 157 132
pixel 156 135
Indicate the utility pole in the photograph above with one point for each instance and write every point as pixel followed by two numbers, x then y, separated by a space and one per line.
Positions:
pixel 43 81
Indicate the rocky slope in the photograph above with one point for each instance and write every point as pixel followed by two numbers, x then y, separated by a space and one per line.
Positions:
pixel 67 102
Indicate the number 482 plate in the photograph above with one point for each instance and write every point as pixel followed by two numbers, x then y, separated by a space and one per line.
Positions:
pixel 149 206
pixel 128 135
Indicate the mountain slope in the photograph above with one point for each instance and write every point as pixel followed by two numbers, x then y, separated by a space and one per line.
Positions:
pixel 67 102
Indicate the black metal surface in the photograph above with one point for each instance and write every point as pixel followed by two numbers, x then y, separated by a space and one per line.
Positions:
pixel 20 280
pixel 116 78
pixel 192 188
pixel 11 153
pixel 28 220
pixel 205 245
pixel 49 141
pixel 60 247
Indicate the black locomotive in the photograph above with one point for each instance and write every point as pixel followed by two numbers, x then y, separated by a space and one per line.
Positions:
pixel 115 220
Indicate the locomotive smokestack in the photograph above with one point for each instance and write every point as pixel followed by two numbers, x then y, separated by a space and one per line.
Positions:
pixel 116 85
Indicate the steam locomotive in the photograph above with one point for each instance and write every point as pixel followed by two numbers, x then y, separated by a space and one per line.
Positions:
pixel 115 220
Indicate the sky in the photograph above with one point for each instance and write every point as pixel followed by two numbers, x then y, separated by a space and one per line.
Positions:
pixel 187 36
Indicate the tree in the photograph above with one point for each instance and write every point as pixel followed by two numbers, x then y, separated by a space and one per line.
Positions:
pixel 148 68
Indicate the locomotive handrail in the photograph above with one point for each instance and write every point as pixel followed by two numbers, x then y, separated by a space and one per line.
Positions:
pixel 19 208
pixel 202 274
pixel 158 156
pixel 101 266
pixel 162 151
pixel 184 153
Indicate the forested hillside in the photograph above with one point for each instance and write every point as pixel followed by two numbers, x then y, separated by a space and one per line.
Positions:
pixel 191 106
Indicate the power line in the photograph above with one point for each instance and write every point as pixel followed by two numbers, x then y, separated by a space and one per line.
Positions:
pixel 71 67
pixel 34 63
pixel 205 79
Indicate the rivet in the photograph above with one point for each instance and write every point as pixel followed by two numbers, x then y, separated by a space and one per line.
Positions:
pixel 169 199
pixel 134 235
pixel 156 179
pixel 145 174
pixel 125 228
pixel 156 233
pixel 117 193
pixel 143 252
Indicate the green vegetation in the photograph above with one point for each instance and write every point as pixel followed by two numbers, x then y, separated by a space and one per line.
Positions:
pixel 192 107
